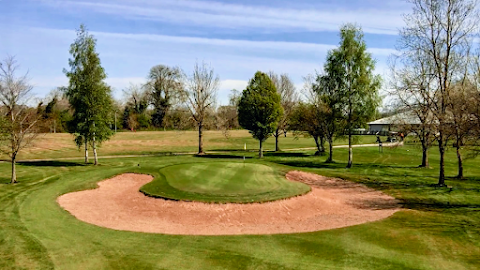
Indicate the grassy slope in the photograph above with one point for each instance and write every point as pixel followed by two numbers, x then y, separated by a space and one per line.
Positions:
pixel 222 182
pixel 439 229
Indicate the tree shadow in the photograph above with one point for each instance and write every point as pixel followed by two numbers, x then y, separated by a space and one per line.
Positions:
pixel 4 180
pixel 225 156
pixel 286 154
pixel 51 163
pixel 320 164
pixel 437 206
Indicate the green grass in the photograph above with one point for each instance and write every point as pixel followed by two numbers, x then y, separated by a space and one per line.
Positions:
pixel 223 182
pixel 438 229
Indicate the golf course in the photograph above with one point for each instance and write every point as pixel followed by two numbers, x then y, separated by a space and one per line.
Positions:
pixel 435 228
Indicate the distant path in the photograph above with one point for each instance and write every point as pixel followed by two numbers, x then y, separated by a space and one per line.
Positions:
pixel 211 152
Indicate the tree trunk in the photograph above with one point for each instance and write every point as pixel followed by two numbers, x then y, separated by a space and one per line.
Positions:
pixel 330 154
pixel 260 150
pixel 441 148
pixel 424 155
pixel 14 170
pixel 94 151
pixel 86 150
pixel 200 139
pixel 322 144
pixel 350 151
pixel 277 134
pixel 460 162
pixel 319 150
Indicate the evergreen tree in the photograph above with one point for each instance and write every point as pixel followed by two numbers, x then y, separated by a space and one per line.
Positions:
pixel 88 94
pixel 259 108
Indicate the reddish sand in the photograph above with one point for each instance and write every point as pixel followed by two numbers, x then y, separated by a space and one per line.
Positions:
pixel 332 203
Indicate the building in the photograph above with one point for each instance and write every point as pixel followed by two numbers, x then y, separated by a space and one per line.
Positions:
pixel 394 123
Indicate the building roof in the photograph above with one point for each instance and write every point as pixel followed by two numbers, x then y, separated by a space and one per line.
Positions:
pixel 404 118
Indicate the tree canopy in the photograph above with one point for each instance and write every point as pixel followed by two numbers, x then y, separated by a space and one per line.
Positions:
pixel 259 108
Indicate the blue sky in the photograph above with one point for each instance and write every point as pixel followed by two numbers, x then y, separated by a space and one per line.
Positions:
pixel 236 38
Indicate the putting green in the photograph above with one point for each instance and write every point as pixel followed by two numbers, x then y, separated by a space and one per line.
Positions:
pixel 223 182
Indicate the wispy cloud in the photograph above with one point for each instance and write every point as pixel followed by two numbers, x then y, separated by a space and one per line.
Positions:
pixel 301 47
pixel 228 15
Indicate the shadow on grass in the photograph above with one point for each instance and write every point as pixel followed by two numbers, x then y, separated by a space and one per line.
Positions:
pixel 226 156
pixel 321 164
pixel 286 154
pixel 51 163
pixel 438 206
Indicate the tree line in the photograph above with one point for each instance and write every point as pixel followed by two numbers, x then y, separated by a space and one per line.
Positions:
pixel 434 78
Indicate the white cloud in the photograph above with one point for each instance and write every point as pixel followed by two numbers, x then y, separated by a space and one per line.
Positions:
pixel 223 15
pixel 235 43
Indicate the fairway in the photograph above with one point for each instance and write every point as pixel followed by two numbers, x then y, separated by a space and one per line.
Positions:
pixel 223 182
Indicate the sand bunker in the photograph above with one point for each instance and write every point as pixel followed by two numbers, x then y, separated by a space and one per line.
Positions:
pixel 332 203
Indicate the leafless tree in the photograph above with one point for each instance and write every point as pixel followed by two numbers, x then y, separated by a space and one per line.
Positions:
pixel 412 86
pixel 20 120
pixel 289 97
pixel 442 32
pixel 200 96
pixel 462 118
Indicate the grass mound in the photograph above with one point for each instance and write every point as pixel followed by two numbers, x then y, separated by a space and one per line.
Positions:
pixel 222 182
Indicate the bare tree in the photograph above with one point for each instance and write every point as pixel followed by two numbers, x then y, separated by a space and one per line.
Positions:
pixel 200 96
pixel 462 112
pixel 289 97
pixel 442 31
pixel 412 91
pixel 19 120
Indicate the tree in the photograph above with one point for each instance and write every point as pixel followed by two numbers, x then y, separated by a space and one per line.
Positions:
pixel 259 108
pixel 17 120
pixel 412 90
pixel 442 31
pixel 288 97
pixel 309 118
pixel 358 87
pixel 88 94
pixel 135 112
pixel 200 96
pixel 326 90
pixel 163 87
pixel 462 110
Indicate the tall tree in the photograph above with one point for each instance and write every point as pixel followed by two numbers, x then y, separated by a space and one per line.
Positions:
pixel 163 87
pixel 359 86
pixel 89 96
pixel 259 108
pixel 443 31
pixel 288 97
pixel 18 121
pixel 200 96
pixel 412 90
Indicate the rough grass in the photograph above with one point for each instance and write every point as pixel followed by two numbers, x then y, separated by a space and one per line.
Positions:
pixel 223 182
pixel 437 230
pixel 61 145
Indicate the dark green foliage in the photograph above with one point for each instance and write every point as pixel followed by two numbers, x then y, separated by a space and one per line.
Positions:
pixel 88 94
pixel 164 86
pixel 259 108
